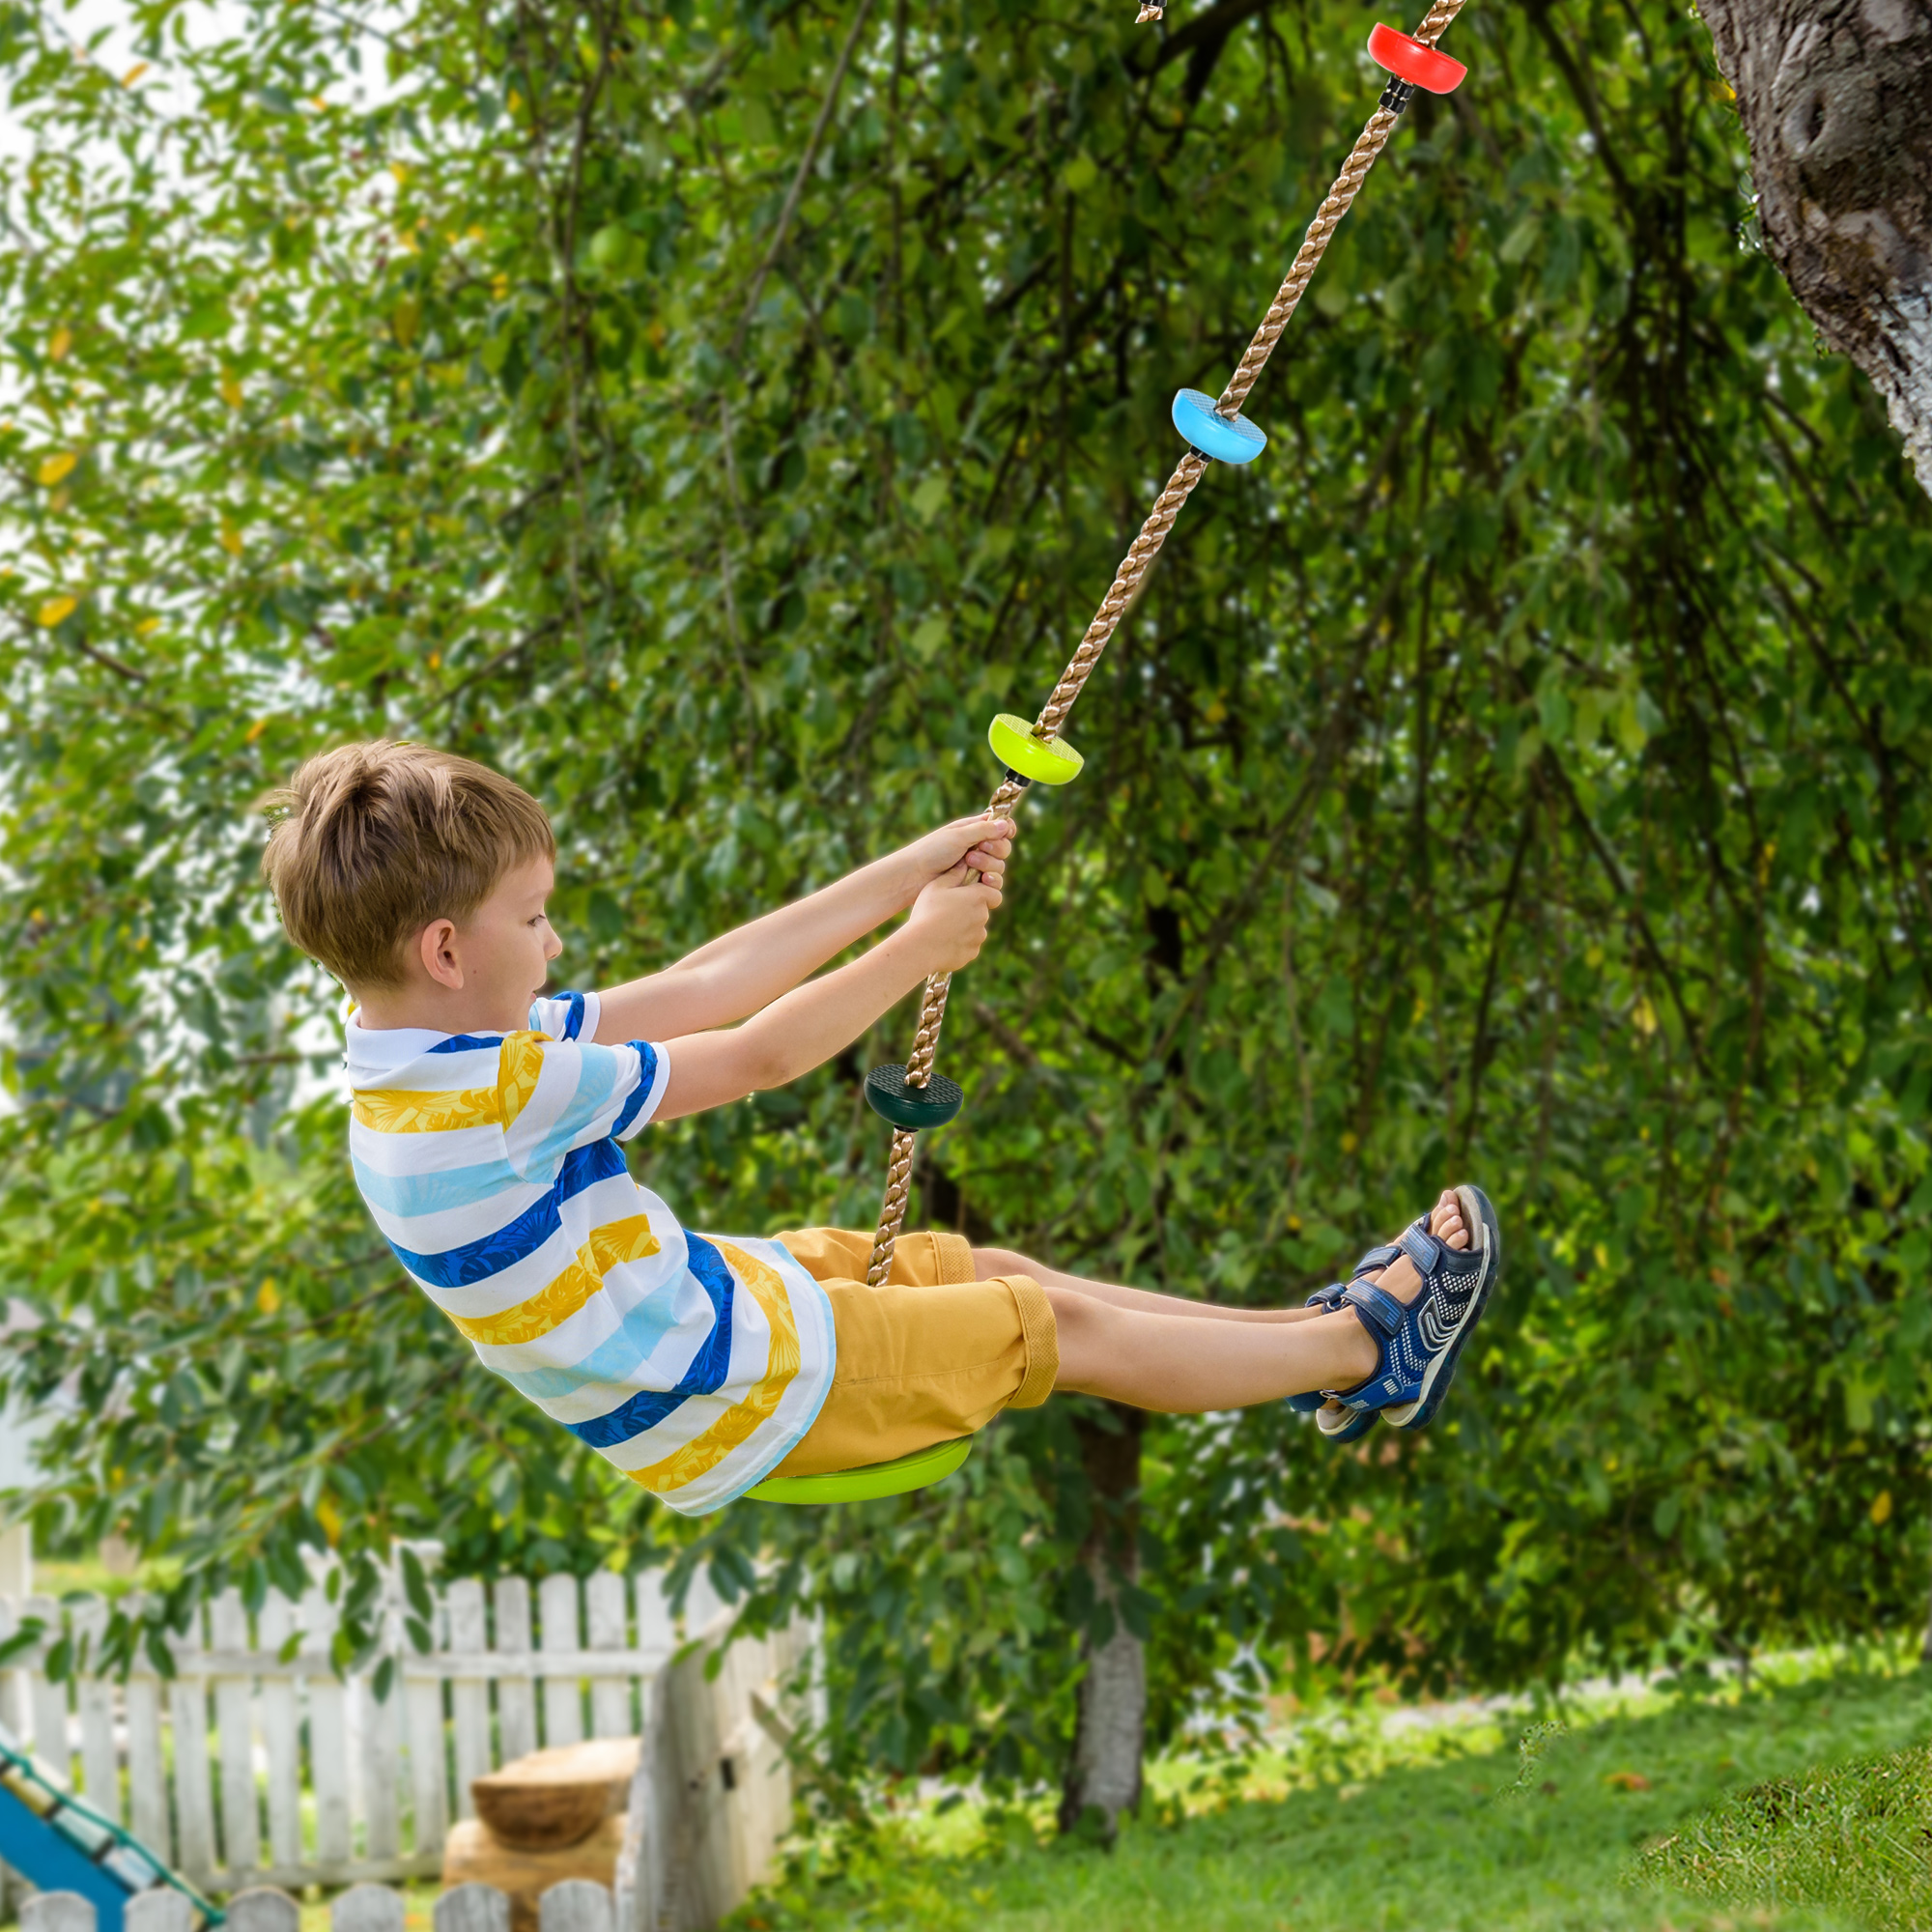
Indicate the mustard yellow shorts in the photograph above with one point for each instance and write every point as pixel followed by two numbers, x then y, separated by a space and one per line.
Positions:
pixel 931 1356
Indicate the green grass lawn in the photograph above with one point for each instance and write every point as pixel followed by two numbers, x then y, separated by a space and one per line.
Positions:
pixel 1805 1802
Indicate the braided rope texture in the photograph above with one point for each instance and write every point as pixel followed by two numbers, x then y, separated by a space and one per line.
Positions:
pixel 1132 574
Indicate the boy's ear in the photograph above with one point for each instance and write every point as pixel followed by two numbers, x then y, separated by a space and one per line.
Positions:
pixel 435 947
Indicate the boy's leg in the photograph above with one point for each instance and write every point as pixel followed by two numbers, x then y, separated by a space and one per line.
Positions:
pixel 1183 1367
pixel 988 1262
pixel 1155 1352
pixel 1400 1279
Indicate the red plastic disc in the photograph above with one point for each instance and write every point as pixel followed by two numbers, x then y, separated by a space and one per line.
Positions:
pixel 1410 60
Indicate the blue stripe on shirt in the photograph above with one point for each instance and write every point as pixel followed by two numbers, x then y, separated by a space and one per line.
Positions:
pixel 477 1261
pixel 647 1078
pixel 467 1042
pixel 434 1193
pixel 706 1373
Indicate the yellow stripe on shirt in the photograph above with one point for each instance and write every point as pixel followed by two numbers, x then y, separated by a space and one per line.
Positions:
pixel 559 1299
pixel 398 1110
pixel 704 1453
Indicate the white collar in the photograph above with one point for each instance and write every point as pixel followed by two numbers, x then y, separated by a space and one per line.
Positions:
pixel 374 1050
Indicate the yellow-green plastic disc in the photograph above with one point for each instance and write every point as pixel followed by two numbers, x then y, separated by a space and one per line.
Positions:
pixel 916 1472
pixel 1050 761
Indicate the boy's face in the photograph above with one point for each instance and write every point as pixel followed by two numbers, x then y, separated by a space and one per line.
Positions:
pixel 505 947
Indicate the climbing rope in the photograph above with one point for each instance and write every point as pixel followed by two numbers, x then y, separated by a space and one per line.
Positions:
pixel 1215 430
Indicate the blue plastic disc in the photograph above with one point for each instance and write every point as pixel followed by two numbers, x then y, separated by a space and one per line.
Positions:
pixel 1226 438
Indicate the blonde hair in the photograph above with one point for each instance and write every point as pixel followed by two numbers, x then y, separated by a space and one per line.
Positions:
pixel 373 841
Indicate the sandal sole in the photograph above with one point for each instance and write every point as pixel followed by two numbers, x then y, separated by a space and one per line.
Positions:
pixel 1477 1211
pixel 1364 1420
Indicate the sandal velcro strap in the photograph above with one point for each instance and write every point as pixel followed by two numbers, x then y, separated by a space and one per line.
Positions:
pixel 1382 1312
pixel 1329 1297
pixel 1376 1257
pixel 1423 1249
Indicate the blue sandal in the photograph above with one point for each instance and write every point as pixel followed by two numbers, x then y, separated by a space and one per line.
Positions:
pixel 1331 1298
pixel 1420 1342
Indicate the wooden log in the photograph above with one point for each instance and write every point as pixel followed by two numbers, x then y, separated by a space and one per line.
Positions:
pixel 556 1798
pixel 472 1855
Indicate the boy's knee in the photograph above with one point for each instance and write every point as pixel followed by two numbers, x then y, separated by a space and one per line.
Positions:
pixel 1081 1327
pixel 987 1263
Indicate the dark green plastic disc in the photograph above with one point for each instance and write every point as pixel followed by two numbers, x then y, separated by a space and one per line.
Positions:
pixel 916 1107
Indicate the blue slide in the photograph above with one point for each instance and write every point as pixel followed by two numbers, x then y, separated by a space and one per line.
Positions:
pixel 61 1843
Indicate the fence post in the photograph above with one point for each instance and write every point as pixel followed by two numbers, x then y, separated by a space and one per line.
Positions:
pixel 235 1741
pixel 605 1608
pixel 639 1895
pixel 328 1730
pixel 367 1908
pixel 194 1816
pixel 147 1769
pixel 263 1908
pixel 516 1698
pixel 159 1908
pixel 575 1905
pixel 100 1764
pixel 380 1734
pixel 57 1911
pixel 473 1908
pixel 422 1720
pixel 281 1742
pixel 562 1696
pixel 48 1699
pixel 468 1697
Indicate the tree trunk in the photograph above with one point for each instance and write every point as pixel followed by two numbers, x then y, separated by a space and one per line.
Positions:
pixel 1104 1777
pixel 1837 97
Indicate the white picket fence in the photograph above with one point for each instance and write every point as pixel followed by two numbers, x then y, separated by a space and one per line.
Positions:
pixel 245 1770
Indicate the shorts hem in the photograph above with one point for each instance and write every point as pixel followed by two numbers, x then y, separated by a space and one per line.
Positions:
pixel 1040 1341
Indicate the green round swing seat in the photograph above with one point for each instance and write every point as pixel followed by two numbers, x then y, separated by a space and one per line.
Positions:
pixel 1047 761
pixel 922 1467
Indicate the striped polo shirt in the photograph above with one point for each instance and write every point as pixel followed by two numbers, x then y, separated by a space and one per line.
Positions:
pixel 491 1164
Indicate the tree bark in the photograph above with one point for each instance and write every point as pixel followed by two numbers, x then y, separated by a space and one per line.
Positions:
pixel 1837 97
pixel 1104 1778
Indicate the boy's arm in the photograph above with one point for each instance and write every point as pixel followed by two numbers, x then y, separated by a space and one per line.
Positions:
pixel 809 1025
pixel 746 970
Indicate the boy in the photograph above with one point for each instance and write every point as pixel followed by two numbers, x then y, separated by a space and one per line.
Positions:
pixel 485 1127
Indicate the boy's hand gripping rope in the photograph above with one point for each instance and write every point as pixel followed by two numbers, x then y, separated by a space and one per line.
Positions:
pixel 1412 61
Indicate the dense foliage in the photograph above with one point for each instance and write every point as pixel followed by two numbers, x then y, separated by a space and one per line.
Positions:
pixel 712 416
